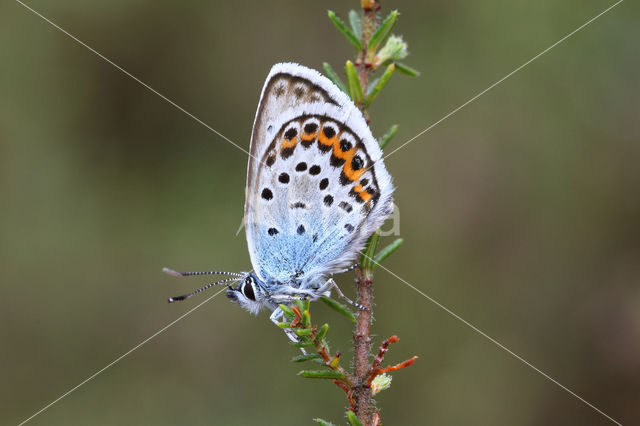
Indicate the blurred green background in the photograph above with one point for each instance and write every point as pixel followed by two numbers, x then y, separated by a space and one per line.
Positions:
pixel 521 213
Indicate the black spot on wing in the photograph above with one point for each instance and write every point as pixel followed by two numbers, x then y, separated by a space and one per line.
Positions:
pixel 345 206
pixel 301 167
pixel 324 183
pixel 314 170
pixel 329 132
pixel 357 163
pixel 335 161
pixel 344 179
pixel 283 178
pixel 272 231
pixel 270 160
pixel 267 194
pixel 324 148
pixel 345 145
pixel 310 128
pixel 300 230
pixel 287 152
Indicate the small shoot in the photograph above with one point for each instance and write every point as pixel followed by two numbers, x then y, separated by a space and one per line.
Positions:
pixel 394 50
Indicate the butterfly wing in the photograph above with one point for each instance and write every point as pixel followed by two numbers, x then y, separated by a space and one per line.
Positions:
pixel 316 183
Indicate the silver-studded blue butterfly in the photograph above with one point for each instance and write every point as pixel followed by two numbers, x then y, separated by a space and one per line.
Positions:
pixel 317 188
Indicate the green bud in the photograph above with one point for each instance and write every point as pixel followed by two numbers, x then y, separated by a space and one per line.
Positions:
pixel 394 50
pixel 380 382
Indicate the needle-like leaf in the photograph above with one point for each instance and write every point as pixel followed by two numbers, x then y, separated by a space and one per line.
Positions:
pixel 333 76
pixel 386 252
pixel 353 83
pixel 346 31
pixel 405 69
pixel 322 374
pixel 339 307
pixel 383 31
pixel 384 79
pixel 384 140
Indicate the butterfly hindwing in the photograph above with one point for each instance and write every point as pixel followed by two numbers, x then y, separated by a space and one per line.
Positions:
pixel 316 184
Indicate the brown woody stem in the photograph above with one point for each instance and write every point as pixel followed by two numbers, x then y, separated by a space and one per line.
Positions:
pixel 363 401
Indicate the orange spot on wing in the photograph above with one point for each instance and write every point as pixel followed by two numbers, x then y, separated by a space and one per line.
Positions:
pixel 365 195
pixel 309 136
pixel 289 143
pixel 325 140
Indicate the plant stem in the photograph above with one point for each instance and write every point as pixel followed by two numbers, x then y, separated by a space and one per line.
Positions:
pixel 363 401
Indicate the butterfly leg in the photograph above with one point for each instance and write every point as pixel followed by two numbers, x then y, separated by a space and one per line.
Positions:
pixel 332 284
pixel 350 268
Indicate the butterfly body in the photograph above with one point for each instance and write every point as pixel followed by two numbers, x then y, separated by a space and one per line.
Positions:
pixel 316 189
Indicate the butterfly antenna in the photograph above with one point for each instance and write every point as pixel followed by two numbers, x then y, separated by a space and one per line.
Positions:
pixel 187 274
pixel 200 290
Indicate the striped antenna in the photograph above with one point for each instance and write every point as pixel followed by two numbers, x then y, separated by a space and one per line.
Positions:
pixel 187 274
pixel 186 296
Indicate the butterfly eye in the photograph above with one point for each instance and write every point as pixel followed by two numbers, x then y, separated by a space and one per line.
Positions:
pixel 247 290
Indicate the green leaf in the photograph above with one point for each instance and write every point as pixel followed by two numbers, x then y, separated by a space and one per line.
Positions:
pixel 300 304
pixel 303 358
pixel 339 307
pixel 322 332
pixel 284 324
pixel 383 31
pixel 353 419
pixel 384 79
pixel 405 69
pixel 333 76
pixel 372 84
pixel 384 140
pixel 303 344
pixel 353 83
pixel 306 318
pixel 369 251
pixel 386 252
pixel 323 422
pixel 322 374
pixel 342 27
pixel 304 331
pixel 356 23
pixel 287 311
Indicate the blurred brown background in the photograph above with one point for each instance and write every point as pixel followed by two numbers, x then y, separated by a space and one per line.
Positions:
pixel 521 213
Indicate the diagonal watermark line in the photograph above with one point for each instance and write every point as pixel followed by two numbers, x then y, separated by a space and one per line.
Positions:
pixel 503 78
pixel 494 341
pixel 135 78
pixel 93 376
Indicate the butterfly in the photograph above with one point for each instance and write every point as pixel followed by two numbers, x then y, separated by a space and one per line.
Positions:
pixel 317 188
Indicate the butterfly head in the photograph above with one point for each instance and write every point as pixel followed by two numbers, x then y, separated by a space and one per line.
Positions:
pixel 249 293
